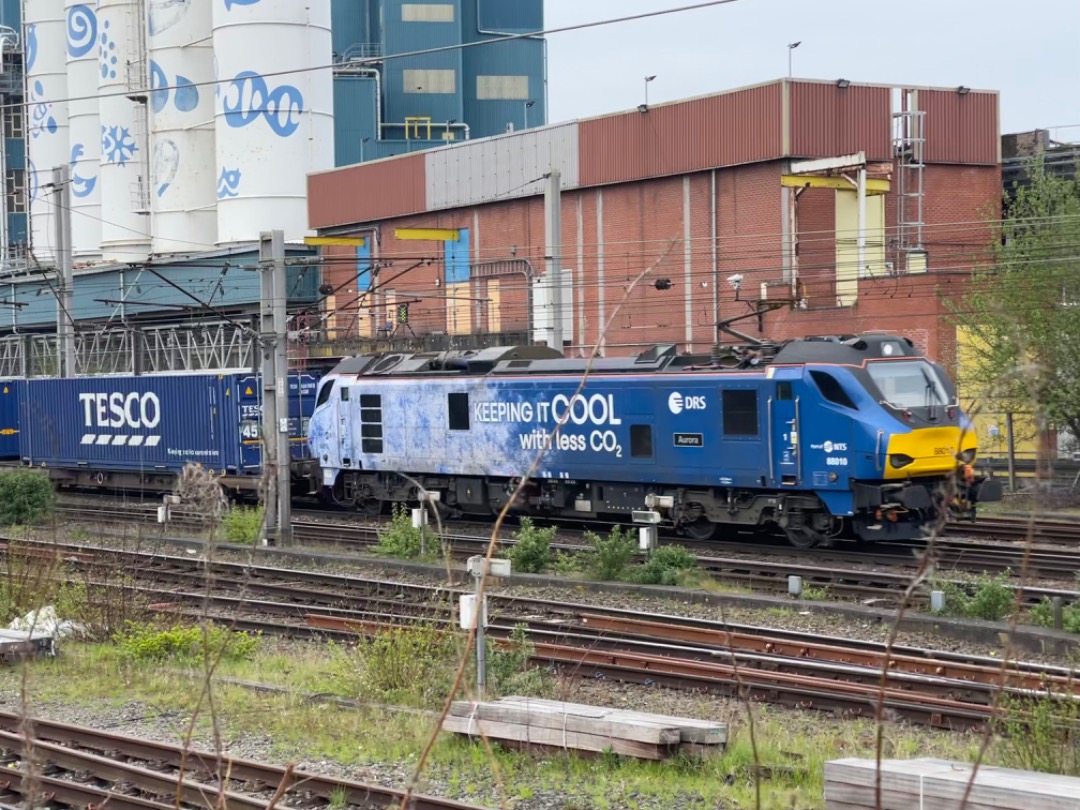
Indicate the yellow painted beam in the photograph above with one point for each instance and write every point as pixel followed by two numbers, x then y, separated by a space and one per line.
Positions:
pixel 350 241
pixel 873 185
pixel 427 234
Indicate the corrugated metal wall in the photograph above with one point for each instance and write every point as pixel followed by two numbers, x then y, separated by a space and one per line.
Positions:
pixel 354 119
pixel 416 85
pixel 509 16
pixel 370 191
pixel 827 120
pixel 961 128
pixel 743 126
pixel 521 59
pixel 510 166
pixel 349 24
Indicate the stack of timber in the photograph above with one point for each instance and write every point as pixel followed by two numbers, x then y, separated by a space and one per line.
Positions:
pixel 937 784
pixel 554 724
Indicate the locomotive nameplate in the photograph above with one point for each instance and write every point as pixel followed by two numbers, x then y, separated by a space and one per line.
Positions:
pixel 689 440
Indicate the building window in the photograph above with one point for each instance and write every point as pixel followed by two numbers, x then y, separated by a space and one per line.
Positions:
pixel 16 191
pixel 430 81
pixel 502 88
pixel 427 12
pixel 459 411
pixel 641 441
pixel 740 413
pixel 13 123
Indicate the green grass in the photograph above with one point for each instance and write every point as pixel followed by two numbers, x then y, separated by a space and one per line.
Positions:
pixel 795 744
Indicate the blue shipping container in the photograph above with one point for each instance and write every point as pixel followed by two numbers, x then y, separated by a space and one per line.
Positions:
pixel 152 423
pixel 10 395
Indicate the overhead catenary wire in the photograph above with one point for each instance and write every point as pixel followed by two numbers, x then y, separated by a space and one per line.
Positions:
pixel 644 15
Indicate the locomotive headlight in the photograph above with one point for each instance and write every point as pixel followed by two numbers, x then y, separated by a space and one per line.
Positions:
pixel 966 456
pixel 900 460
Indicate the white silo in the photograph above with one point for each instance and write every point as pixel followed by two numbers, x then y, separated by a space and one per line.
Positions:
pixel 85 128
pixel 183 190
pixel 123 180
pixel 46 115
pixel 271 130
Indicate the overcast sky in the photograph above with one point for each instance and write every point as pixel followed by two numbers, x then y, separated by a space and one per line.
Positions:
pixel 1029 51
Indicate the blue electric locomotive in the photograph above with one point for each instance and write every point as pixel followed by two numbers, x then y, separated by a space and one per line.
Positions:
pixel 823 437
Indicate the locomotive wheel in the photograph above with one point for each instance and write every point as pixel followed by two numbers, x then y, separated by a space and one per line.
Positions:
pixel 802 538
pixel 369 507
pixel 700 530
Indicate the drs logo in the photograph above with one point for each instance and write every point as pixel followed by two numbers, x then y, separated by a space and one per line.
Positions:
pixel 677 403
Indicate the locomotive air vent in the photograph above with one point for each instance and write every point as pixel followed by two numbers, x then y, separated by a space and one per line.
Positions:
pixel 387 363
pixel 519 363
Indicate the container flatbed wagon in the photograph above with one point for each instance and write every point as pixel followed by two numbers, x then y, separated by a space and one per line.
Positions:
pixel 139 432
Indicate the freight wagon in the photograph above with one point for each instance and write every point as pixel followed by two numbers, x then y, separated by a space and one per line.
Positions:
pixel 139 432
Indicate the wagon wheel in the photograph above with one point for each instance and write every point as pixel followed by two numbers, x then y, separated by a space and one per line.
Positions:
pixel 369 507
pixel 700 530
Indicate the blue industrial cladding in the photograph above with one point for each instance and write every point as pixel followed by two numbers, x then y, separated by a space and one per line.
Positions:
pixel 475 91
pixel 153 424
pixel 821 438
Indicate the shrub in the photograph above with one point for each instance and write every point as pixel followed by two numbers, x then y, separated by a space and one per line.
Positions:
pixel 1042 614
pixel 243 524
pixel 26 496
pixel 531 554
pixel 608 557
pixel 411 666
pixel 665 566
pixel 990 598
pixel 508 666
pixel 400 539
pixel 144 643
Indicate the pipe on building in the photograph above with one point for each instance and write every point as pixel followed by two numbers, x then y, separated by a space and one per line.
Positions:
pixel 715 257
pixel 345 68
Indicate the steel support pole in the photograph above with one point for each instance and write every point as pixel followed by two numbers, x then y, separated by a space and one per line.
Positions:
pixel 275 387
pixel 65 324
pixel 553 253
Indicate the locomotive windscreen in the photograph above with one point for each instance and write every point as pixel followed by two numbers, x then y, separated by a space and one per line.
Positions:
pixel 909 383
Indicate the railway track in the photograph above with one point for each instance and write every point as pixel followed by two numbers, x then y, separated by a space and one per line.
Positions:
pixel 940 689
pixel 145 775
pixel 829 569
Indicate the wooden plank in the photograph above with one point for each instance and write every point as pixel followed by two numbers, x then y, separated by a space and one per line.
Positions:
pixel 553 738
pixel 591 723
pixel 940 785
pixel 706 732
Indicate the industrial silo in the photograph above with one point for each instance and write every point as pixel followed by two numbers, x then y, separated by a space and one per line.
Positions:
pixel 46 115
pixel 183 189
pixel 123 180
pixel 273 126
pixel 85 128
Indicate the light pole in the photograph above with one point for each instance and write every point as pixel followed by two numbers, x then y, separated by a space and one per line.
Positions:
pixel 791 46
pixel 528 104
pixel 648 79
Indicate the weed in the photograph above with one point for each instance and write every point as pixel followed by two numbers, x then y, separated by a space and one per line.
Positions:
pixel 79 534
pixel 143 643
pixel 989 598
pixel 412 666
pixel 608 557
pixel 400 539
pixel 26 497
pixel 243 524
pixel 666 565
pixel 1042 614
pixel 1041 733
pixel 812 593
pixel 339 799
pixel 508 667
pixel 531 554
pixel 565 563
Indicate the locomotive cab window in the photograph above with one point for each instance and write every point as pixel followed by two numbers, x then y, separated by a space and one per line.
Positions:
pixel 458 406
pixel 784 392
pixel 345 394
pixel 324 393
pixel 641 441
pixel 832 390
pixel 740 412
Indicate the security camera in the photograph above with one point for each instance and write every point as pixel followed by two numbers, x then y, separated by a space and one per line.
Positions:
pixel 735 280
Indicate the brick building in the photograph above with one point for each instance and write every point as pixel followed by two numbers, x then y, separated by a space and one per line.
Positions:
pixel 761 182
